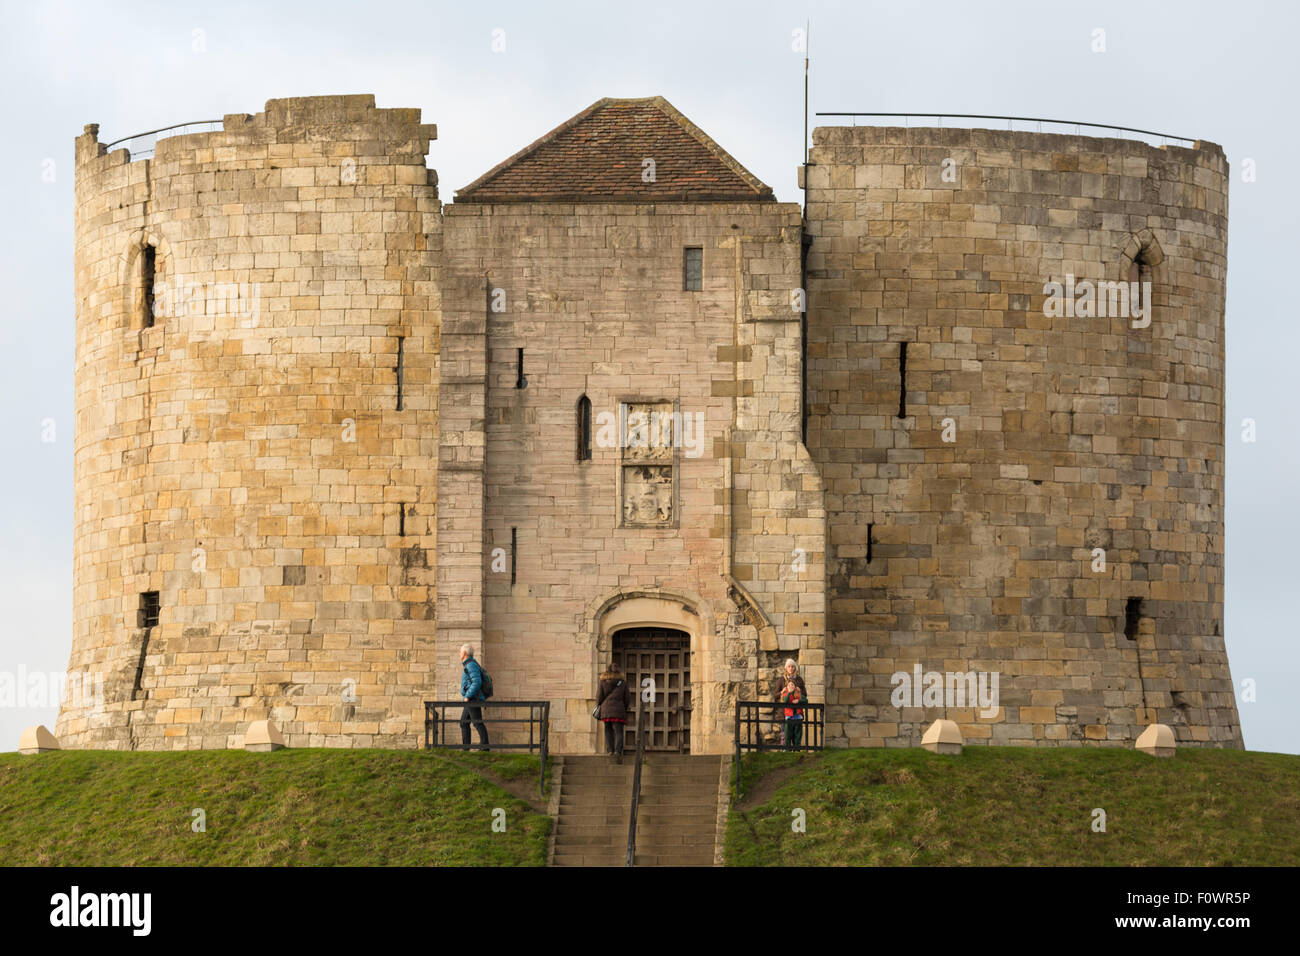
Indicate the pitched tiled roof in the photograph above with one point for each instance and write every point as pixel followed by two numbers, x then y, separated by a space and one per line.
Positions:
pixel 598 157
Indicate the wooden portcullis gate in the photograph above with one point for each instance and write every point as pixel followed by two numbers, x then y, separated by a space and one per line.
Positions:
pixel 664 654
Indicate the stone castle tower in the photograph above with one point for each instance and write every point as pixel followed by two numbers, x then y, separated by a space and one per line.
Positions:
pixel 616 401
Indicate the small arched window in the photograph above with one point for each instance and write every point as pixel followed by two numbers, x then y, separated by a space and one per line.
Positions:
pixel 1139 277
pixel 1141 257
pixel 584 429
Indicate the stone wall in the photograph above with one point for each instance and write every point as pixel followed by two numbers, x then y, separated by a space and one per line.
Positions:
pixel 244 457
pixel 1068 433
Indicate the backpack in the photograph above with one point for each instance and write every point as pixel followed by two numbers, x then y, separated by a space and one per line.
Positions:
pixel 485 681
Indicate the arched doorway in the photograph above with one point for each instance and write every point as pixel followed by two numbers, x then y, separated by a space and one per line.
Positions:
pixel 664 654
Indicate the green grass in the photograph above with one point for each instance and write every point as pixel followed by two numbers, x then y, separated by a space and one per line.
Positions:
pixel 995 806
pixel 291 807
pixel 990 806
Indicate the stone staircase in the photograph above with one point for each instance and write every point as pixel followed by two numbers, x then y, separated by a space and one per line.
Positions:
pixel 677 822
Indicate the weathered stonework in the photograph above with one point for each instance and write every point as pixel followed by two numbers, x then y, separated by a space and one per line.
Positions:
pixel 248 465
pixel 334 464
pixel 1069 433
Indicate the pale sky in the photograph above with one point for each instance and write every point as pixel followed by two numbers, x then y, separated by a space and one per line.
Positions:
pixel 1227 74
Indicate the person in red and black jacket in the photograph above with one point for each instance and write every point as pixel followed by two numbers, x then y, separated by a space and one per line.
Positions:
pixel 791 720
pixel 614 700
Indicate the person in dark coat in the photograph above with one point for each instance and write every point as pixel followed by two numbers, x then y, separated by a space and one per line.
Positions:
pixel 614 700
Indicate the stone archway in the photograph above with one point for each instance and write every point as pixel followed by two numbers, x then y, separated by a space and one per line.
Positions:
pixel 131 309
pixel 671 612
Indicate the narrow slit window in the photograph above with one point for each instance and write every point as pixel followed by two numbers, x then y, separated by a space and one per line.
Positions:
pixel 148 274
pixel 1132 614
pixel 584 429
pixel 401 343
pixel 902 379
pixel 870 542
pixel 149 608
pixel 401 520
pixel 514 548
pixel 520 381
pixel 693 269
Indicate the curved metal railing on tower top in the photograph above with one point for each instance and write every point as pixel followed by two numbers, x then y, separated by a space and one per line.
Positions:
pixel 1021 119
pixel 153 135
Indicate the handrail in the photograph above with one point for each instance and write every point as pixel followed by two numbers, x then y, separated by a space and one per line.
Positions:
pixel 538 720
pixel 1024 119
pixel 636 778
pixel 162 130
pixel 749 716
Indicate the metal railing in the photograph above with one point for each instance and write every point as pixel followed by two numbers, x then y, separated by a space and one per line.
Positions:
pixel 1023 119
pixel 636 780
pixel 750 719
pixel 146 153
pixel 538 722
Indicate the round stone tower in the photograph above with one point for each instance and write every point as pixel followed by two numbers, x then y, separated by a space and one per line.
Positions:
pixel 1015 398
pixel 256 430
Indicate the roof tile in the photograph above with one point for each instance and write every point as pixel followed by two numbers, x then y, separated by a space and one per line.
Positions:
pixel 597 156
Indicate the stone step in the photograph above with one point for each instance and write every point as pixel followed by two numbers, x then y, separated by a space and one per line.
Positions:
pixel 675 839
pixel 583 811
pixel 588 861
pixel 677 815
pixel 657 827
pixel 600 773
pixel 679 851
pixel 590 822
pixel 581 827
pixel 670 860
pixel 576 801
pixel 699 810
pixel 683 786
pixel 677 786
pixel 598 838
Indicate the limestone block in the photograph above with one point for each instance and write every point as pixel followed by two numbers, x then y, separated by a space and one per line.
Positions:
pixel 1157 741
pixel 942 737
pixel 263 736
pixel 37 740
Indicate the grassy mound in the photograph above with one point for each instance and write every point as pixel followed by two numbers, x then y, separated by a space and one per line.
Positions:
pixel 995 806
pixel 292 807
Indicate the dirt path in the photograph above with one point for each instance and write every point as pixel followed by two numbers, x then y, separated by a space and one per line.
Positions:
pixel 524 788
pixel 761 791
